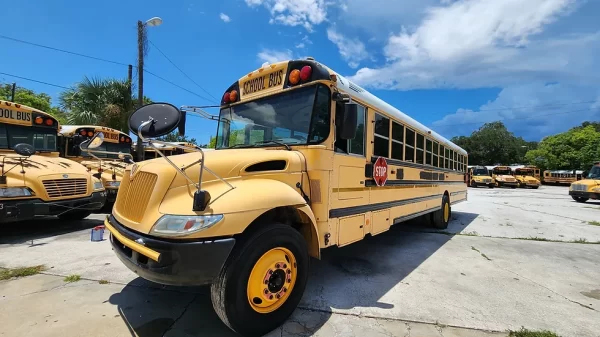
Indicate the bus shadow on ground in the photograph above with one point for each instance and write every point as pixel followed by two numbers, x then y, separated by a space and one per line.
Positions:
pixel 22 232
pixel 358 275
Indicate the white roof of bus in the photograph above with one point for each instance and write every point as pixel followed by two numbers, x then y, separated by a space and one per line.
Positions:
pixel 367 97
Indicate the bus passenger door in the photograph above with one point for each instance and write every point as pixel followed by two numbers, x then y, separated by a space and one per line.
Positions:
pixel 348 182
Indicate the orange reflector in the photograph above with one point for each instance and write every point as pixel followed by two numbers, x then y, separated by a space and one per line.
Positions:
pixel 39 120
pixel 189 224
pixel 122 138
pixel 82 132
pixel 90 133
pixel 233 95
pixel 294 77
pixel 227 97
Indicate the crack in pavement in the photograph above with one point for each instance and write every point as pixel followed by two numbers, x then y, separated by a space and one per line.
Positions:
pixel 67 285
pixel 536 211
pixel 185 309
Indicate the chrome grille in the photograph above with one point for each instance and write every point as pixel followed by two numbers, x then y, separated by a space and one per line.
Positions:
pixel 56 188
pixel 487 180
pixel 134 195
pixel 579 187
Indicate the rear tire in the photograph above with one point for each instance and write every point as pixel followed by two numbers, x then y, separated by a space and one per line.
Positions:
pixel 473 184
pixel 74 215
pixel 441 218
pixel 276 254
pixel 491 186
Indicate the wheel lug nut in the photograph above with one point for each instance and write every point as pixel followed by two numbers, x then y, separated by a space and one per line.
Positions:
pixel 266 281
pixel 277 265
pixel 278 296
pixel 284 289
pixel 289 271
pixel 285 266
pixel 271 297
pixel 270 272
pixel 266 291
pixel 289 280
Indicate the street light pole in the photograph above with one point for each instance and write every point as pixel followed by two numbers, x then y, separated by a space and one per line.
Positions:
pixel 141 29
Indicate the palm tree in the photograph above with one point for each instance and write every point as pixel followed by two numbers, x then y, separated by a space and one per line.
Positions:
pixel 106 102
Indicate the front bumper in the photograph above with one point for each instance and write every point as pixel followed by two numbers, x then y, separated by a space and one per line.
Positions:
pixel 505 183
pixel 587 195
pixel 481 183
pixel 166 261
pixel 18 210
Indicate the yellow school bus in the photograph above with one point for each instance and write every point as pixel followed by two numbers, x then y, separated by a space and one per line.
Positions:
pixel 526 176
pixel 559 177
pixel 479 176
pixel 304 160
pixel 588 188
pixel 105 164
pixel 502 175
pixel 34 180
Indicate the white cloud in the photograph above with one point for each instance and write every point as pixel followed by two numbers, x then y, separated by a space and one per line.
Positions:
pixel 273 56
pixel 352 50
pixel 305 13
pixel 224 17
pixel 532 110
pixel 474 43
pixel 300 45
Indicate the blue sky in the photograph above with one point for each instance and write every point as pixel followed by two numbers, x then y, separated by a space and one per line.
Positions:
pixel 451 64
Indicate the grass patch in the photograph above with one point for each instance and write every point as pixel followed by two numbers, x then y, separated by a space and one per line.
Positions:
pixel 72 278
pixel 534 238
pixel 594 223
pixel 580 240
pixel 103 282
pixel 6 274
pixel 473 233
pixel 529 333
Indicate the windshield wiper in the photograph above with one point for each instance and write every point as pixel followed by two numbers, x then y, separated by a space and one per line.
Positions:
pixel 274 142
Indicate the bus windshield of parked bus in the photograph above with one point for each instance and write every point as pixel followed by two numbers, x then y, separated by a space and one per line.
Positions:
pixel 110 147
pixel 480 171
pixel 42 139
pixel 502 170
pixel 595 172
pixel 524 172
pixel 294 117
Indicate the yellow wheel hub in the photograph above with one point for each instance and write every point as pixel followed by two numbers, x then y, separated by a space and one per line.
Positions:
pixel 271 280
pixel 446 212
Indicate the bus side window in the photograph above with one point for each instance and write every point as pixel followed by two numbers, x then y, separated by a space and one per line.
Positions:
pixel 3 137
pixel 381 144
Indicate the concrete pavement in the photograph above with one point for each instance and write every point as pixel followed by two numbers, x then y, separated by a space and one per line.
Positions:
pixel 478 275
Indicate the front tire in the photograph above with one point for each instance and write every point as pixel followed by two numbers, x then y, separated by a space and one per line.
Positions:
pixel 580 199
pixel 473 184
pixel 263 280
pixel 74 215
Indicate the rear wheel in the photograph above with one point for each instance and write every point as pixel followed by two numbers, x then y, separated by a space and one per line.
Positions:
pixel 473 184
pixel 74 215
pixel 263 280
pixel 491 186
pixel 441 218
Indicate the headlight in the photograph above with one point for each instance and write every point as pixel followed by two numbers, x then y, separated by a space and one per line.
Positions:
pixel 113 183
pixel 98 185
pixel 175 225
pixel 11 192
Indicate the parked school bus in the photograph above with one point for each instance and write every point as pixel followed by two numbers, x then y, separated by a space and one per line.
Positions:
pixel 479 176
pixel 34 180
pixel 559 177
pixel 526 177
pixel 588 188
pixel 502 175
pixel 304 160
pixel 105 163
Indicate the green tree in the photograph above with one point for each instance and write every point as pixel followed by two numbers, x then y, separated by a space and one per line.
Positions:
pixel 493 144
pixel 96 101
pixel 238 137
pixel 576 148
pixel 40 101
pixel 175 137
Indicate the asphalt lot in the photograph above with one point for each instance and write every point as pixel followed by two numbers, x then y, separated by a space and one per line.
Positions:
pixel 509 258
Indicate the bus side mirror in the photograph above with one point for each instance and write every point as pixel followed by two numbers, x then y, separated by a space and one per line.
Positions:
pixel 159 119
pixel 348 121
pixel 24 149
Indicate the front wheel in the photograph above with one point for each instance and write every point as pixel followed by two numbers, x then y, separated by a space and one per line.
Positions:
pixel 74 215
pixel 580 199
pixel 441 218
pixel 473 184
pixel 491 186
pixel 262 281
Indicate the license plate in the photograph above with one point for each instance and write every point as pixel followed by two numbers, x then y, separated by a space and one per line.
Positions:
pixel 264 82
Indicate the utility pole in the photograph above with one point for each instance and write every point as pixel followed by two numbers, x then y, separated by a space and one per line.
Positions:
pixel 140 29
pixel 12 95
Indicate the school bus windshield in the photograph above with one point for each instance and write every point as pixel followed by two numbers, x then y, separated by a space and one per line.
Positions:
pixel 110 147
pixel 524 172
pixel 594 172
pixel 42 139
pixel 502 171
pixel 480 172
pixel 299 116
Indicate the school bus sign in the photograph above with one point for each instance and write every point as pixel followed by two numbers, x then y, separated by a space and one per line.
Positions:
pixel 9 115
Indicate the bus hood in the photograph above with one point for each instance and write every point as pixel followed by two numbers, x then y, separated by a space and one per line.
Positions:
pixel 505 177
pixel 36 169
pixel 152 188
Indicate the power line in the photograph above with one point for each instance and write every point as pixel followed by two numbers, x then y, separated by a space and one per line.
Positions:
pixel 101 59
pixel 32 80
pixel 184 74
